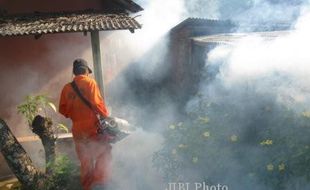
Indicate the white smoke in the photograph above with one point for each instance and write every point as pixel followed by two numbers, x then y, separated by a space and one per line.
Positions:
pixel 132 157
pixel 132 162
pixel 250 59
pixel 249 14
pixel 255 72
pixel 254 58
pixel 157 19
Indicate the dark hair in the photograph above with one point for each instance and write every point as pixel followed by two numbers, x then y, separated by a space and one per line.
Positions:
pixel 79 70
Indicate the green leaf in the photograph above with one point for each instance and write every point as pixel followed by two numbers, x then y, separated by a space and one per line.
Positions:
pixel 204 120
pixel 52 106
pixel 63 127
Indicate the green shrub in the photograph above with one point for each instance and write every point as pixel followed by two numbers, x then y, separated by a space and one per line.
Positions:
pixel 259 144
pixel 36 104
pixel 64 176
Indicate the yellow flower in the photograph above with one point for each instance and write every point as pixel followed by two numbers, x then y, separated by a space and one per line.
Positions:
pixel 180 124
pixel 234 138
pixel 182 146
pixel 204 120
pixel 269 142
pixel 172 127
pixel 174 151
pixel 266 142
pixel 195 160
pixel 270 167
pixel 206 134
pixel 281 167
pixel 306 114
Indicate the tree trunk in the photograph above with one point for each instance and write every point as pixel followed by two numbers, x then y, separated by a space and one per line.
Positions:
pixel 17 159
pixel 43 128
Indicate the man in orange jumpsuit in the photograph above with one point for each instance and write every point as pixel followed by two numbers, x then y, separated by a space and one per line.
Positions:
pixel 93 151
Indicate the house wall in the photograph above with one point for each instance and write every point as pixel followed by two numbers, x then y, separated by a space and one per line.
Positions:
pixel 186 59
pixel 29 66
pixel 29 6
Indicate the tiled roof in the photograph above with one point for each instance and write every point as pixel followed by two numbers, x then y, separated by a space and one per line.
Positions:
pixel 192 22
pixel 44 23
pixel 231 38
pixel 125 5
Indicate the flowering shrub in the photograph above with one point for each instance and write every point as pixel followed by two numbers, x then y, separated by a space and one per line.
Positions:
pixel 259 144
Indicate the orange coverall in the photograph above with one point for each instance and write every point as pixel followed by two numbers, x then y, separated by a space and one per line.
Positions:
pixel 93 152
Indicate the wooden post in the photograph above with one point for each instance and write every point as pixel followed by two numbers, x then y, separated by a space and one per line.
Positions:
pixel 95 43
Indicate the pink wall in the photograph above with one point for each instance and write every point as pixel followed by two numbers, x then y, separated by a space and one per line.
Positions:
pixel 30 66
pixel 18 6
pixel 43 66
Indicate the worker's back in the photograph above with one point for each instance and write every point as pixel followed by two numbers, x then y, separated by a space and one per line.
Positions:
pixel 71 106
